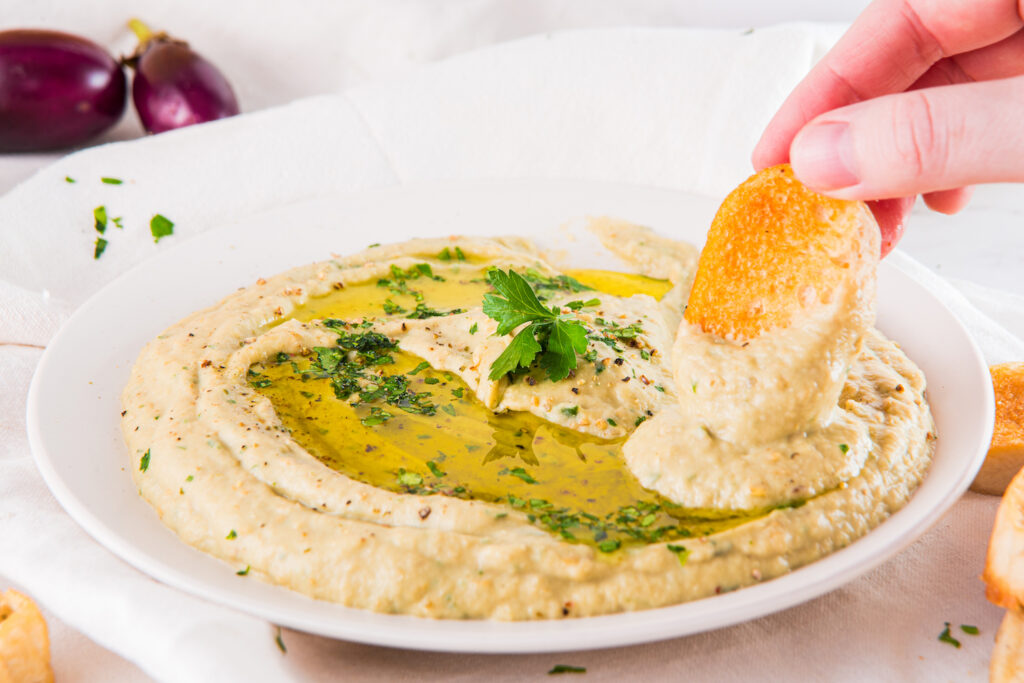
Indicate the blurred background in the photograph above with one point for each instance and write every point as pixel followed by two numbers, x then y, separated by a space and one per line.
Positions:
pixel 275 52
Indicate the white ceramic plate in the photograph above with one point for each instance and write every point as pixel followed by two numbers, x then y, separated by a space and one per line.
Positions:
pixel 74 402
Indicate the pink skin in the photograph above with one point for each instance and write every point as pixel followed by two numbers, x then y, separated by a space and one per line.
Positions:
pixel 918 97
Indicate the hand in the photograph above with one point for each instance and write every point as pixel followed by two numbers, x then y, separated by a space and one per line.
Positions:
pixel 918 97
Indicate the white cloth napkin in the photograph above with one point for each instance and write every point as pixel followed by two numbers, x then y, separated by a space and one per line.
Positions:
pixel 671 108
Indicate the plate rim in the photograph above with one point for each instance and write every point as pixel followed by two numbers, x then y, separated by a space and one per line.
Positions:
pixel 433 634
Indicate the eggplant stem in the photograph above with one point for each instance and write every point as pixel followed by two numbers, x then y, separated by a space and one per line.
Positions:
pixel 141 31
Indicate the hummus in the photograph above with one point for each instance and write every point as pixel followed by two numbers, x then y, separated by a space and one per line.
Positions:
pixel 336 430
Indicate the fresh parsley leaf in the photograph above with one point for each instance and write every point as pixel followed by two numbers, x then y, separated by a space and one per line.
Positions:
pixel 435 470
pixel 517 303
pixel 68 179
pixel 473 328
pixel 112 181
pixel 554 338
pixel 522 474
pixel 844 448
pixel 101 246
pixel 520 353
pixel 243 572
pixel 970 630
pixel 144 463
pixel 160 226
pixel 232 535
pixel 564 342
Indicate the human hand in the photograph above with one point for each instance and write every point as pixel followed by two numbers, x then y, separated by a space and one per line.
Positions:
pixel 918 97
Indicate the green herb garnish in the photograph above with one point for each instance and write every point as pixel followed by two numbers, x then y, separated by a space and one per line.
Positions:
pixel 681 552
pixel 409 478
pixel 422 366
pixel 945 637
pixel 969 630
pixel 571 411
pixel 243 572
pixel 473 328
pixel 144 463
pixel 160 227
pixel 280 641
pixel 844 448
pixel 232 535
pixel 99 248
pixel 68 179
pixel 548 337
pixel 99 215
pixel 435 470
pixel 522 474
pixel 567 669
pixel 111 181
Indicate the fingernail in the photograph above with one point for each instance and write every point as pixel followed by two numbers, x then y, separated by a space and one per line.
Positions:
pixel 822 156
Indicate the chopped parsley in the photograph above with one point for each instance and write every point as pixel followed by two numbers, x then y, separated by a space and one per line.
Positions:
pixel 409 478
pixel 571 411
pixel 681 552
pixel 612 422
pixel 546 286
pixel 567 669
pixel 422 366
pixel 522 474
pixel 99 215
pixel 280 641
pixel 111 181
pixel 243 572
pixel 398 283
pixel 435 470
pixel 446 254
pixel 552 339
pixel 844 448
pixel 232 535
pixel 99 248
pixel 969 630
pixel 160 227
pixel 144 463
pixel 945 637
pixel 68 179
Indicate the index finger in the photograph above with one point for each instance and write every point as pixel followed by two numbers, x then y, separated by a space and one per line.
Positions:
pixel 890 45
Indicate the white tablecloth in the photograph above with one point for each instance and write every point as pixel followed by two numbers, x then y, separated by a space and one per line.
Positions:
pixel 670 108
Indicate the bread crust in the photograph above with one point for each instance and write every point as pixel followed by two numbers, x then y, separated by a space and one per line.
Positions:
pixel 775 251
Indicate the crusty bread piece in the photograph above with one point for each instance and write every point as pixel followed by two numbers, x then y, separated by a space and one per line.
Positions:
pixel 1006 453
pixel 775 251
pixel 1007 665
pixel 1004 565
pixel 24 642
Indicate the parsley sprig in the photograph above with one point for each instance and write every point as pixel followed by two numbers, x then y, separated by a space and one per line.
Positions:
pixel 549 337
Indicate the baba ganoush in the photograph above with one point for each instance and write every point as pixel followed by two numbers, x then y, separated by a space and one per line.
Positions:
pixel 353 430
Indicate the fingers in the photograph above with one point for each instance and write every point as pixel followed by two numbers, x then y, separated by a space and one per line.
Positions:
pixel 916 142
pixel 891 216
pixel 949 201
pixel 889 47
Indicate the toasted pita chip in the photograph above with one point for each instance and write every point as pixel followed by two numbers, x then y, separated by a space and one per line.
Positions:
pixel 1006 453
pixel 1007 665
pixel 775 251
pixel 1004 565
pixel 24 642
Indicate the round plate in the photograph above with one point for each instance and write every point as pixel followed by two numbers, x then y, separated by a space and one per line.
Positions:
pixel 74 401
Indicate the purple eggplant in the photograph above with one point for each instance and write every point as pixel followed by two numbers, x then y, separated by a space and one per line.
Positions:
pixel 173 85
pixel 56 90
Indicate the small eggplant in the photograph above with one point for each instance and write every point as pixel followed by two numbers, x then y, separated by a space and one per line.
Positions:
pixel 173 85
pixel 56 90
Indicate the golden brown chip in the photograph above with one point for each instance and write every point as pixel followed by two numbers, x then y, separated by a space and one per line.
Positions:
pixel 1006 453
pixel 776 250
pixel 1007 665
pixel 1004 565
pixel 24 642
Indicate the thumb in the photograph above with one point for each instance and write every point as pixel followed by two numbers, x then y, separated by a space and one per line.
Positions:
pixel 915 142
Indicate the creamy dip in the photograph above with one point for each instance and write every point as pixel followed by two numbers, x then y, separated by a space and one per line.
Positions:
pixel 335 429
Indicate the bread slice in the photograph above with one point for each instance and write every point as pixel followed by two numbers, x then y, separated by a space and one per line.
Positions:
pixel 1007 664
pixel 1006 453
pixel 24 641
pixel 777 250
